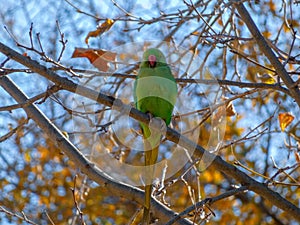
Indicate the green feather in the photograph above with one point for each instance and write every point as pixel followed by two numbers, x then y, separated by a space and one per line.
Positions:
pixel 155 92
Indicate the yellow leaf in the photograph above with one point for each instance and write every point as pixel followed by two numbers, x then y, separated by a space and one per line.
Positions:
pixel 267 34
pixel 27 157
pixel 267 78
pixel 65 133
pixel 285 119
pixel 207 74
pixel 100 29
pixel 195 33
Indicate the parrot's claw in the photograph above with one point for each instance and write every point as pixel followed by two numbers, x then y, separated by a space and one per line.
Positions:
pixel 158 124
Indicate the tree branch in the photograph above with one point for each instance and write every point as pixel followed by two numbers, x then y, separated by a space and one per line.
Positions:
pixel 172 135
pixel 87 167
pixel 221 82
pixel 208 201
pixel 265 48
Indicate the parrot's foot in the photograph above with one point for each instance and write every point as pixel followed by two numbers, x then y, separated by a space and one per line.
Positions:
pixel 158 125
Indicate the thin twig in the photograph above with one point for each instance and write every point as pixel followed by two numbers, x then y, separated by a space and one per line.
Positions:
pixel 207 201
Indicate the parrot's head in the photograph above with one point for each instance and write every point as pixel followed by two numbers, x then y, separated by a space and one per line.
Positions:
pixel 153 57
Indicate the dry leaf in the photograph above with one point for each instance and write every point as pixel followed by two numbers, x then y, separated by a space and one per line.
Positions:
pixel 230 110
pixel 285 119
pixel 225 110
pixel 100 29
pixel 297 152
pixel 98 57
pixel 267 78
pixel 220 22
pixel 297 156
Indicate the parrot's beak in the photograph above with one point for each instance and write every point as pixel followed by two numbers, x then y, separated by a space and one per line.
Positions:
pixel 152 61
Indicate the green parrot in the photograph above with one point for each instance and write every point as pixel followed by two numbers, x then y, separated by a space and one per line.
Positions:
pixel 155 92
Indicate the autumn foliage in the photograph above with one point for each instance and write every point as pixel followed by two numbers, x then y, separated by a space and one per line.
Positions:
pixel 235 101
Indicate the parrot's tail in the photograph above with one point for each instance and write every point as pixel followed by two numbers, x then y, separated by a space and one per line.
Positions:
pixel 151 145
pixel 150 160
pixel 146 213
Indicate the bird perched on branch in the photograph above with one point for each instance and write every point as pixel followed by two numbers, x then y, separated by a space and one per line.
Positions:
pixel 155 93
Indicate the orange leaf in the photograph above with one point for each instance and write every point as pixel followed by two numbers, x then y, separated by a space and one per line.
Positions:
pixel 225 110
pixel 100 29
pixel 98 57
pixel 285 119
pixel 272 6
pixel 220 22
pixel 297 156
pixel 230 110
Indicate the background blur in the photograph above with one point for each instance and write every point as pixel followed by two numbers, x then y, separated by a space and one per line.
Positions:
pixel 36 179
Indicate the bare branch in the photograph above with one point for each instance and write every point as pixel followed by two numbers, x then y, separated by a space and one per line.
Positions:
pixel 263 45
pixel 94 172
pixel 207 201
pixel 12 214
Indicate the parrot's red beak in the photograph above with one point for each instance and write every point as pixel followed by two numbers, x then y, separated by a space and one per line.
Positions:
pixel 152 60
